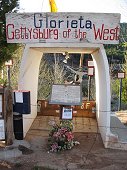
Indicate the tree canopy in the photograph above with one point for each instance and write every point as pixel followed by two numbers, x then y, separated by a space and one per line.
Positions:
pixel 6 50
pixel 117 52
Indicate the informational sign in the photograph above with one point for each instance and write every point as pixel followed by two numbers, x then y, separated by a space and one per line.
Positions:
pixel 63 27
pixel 2 130
pixel 9 63
pixel 90 71
pixel 66 94
pixel 22 102
pixel 121 75
pixel 1 104
pixel 67 113
pixel 18 97
pixel 90 63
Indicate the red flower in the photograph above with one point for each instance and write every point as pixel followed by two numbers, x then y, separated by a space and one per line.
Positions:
pixel 69 136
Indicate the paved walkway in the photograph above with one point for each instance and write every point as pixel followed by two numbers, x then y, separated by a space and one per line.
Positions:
pixel 118 128
pixel 122 115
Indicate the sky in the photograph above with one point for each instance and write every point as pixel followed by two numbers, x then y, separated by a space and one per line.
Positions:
pixel 103 6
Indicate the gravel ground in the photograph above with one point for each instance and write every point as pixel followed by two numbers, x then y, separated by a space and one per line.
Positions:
pixel 89 155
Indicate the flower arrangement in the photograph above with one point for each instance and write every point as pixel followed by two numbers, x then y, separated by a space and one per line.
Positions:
pixel 61 136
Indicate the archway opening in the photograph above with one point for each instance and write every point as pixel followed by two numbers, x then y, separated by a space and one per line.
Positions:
pixel 30 64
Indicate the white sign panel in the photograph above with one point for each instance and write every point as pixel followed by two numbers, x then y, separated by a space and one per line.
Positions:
pixel 90 63
pixel 121 75
pixel 62 27
pixel 66 94
pixel 9 63
pixel 18 97
pixel 90 71
pixel 1 104
pixel 67 113
pixel 2 129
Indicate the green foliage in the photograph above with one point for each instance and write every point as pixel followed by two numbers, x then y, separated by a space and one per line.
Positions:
pixel 14 69
pixel 115 52
pixel 115 87
pixel 44 80
pixel 67 123
pixel 3 82
pixel 124 90
pixel 50 73
pixel 123 32
pixel 16 66
pixel 118 51
pixel 115 90
pixel 6 50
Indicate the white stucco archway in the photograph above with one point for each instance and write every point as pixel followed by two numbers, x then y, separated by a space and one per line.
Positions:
pixel 28 79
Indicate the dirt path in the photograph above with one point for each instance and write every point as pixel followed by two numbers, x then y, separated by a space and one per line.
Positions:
pixel 89 155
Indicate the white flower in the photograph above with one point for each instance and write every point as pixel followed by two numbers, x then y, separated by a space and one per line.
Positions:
pixel 76 143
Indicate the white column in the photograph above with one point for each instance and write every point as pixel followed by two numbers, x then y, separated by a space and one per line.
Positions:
pixel 28 80
pixel 103 96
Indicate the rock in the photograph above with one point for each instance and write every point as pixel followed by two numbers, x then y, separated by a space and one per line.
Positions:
pixel 25 150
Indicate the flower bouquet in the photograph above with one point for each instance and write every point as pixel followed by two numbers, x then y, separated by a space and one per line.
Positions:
pixel 61 136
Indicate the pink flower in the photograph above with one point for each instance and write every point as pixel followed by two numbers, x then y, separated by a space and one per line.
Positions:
pixel 54 147
pixel 69 136
pixel 62 131
pixel 57 135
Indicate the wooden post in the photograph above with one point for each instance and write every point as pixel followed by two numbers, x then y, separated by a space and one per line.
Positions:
pixel 8 115
pixel 81 61
pixel 61 110
pixel 120 95
pixel 89 88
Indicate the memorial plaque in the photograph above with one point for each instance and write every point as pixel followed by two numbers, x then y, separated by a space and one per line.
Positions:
pixel 66 94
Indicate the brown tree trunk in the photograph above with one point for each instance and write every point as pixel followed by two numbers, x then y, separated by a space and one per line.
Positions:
pixel 8 115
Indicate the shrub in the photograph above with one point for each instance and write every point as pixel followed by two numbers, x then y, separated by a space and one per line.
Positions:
pixel 61 136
